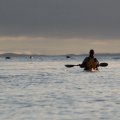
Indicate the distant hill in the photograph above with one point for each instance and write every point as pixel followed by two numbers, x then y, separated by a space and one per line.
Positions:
pixel 15 54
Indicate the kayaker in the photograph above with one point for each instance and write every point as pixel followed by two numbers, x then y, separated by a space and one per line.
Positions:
pixel 90 62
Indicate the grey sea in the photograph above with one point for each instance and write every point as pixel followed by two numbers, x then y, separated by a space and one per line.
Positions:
pixel 42 88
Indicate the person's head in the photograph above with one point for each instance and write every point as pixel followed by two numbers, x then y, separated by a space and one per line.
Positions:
pixel 91 53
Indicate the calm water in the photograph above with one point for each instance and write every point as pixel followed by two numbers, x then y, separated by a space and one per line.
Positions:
pixel 41 88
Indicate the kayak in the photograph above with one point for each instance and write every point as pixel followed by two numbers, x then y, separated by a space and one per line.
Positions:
pixel 100 65
pixel 91 70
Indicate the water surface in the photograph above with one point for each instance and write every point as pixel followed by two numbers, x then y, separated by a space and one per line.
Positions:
pixel 42 88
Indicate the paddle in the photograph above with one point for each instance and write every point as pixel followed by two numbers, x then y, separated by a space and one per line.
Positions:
pixel 101 65
pixel 69 66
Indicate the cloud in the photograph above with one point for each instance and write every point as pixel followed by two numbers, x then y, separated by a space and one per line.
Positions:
pixel 61 18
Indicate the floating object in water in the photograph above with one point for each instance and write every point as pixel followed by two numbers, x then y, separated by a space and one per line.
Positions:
pixel 7 57
pixel 67 56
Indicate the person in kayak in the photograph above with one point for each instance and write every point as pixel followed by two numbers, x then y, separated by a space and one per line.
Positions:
pixel 90 62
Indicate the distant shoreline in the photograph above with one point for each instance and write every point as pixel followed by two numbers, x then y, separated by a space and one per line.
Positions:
pixel 15 54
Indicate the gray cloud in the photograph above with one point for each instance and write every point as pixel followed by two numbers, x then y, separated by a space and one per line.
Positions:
pixel 80 18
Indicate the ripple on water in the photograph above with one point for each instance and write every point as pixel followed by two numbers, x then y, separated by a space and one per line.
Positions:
pixel 47 90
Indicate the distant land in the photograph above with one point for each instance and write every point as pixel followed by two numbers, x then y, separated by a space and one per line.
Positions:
pixel 15 54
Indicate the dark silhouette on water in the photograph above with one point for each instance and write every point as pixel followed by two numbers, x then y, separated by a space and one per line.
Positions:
pixel 90 62
pixel 67 56
pixel 30 57
pixel 7 57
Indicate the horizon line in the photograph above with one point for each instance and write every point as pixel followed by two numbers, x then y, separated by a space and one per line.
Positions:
pixel 38 54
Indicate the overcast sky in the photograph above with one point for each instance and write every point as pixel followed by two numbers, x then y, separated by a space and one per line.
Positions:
pixel 59 26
